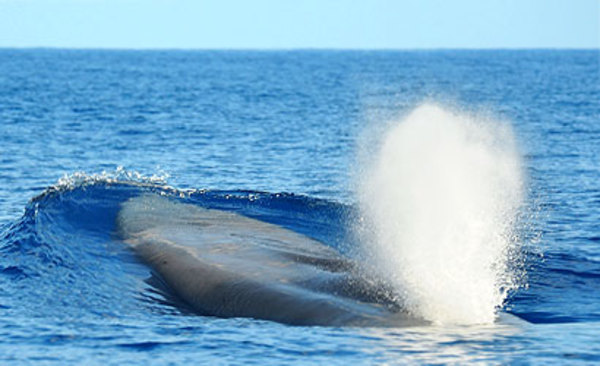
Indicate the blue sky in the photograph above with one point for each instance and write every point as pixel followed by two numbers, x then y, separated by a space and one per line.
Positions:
pixel 267 24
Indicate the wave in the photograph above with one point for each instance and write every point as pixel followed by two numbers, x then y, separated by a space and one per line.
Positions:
pixel 62 259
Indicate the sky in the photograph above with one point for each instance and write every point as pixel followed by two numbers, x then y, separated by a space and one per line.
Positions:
pixel 293 24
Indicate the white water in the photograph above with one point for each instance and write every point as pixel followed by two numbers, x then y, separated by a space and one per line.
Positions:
pixel 440 199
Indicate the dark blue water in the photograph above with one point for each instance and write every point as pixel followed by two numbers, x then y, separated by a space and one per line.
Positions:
pixel 272 135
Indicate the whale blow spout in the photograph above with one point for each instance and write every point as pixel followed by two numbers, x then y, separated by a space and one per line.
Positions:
pixel 441 199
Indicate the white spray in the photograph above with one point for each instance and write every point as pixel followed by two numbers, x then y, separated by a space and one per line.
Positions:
pixel 440 198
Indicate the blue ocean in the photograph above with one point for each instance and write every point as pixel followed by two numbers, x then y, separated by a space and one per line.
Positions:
pixel 467 182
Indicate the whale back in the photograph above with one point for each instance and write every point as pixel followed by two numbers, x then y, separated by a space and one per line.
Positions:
pixel 224 264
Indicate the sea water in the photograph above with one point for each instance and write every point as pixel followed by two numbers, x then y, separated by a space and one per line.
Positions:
pixel 470 179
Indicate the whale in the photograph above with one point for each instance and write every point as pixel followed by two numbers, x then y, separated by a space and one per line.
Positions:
pixel 223 264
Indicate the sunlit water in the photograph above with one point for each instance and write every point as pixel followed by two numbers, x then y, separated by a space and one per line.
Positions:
pixel 223 128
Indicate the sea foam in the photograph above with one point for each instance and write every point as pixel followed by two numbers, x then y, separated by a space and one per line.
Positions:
pixel 439 200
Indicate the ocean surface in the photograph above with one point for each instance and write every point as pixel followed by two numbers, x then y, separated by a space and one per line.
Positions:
pixel 293 138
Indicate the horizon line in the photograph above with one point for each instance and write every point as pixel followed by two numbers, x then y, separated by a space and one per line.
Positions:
pixel 285 49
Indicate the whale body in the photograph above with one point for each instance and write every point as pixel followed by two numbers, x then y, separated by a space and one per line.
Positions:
pixel 223 264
